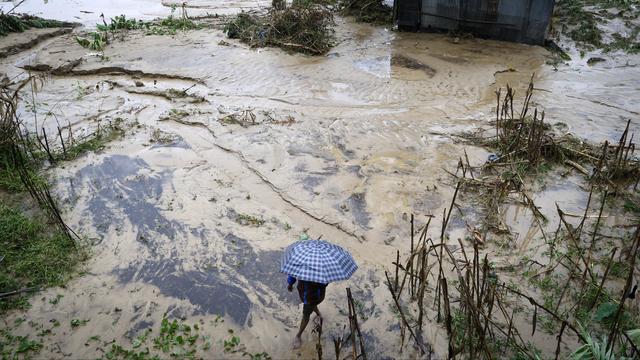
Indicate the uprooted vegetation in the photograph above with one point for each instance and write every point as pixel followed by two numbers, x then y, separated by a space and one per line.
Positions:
pixel 118 26
pixel 574 281
pixel 525 146
pixel 305 28
pixel 370 11
pixel 586 22
pixel 12 23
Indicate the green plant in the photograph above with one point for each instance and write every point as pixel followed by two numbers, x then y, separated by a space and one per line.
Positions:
pixel 591 349
pixel 34 255
pixel 632 206
pixel 95 143
pixel 231 344
pixel 94 41
pixel 14 347
pixel 244 219
pixel 78 322
pixel 120 23
pixel 10 23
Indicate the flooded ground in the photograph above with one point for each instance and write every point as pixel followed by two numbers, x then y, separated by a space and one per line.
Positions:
pixel 188 213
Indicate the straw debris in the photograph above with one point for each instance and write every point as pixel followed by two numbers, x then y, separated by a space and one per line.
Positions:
pixel 304 28
pixel 369 11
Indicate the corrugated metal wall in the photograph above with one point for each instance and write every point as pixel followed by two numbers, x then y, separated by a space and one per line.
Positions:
pixel 514 20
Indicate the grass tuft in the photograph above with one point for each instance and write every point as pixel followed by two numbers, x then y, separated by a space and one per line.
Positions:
pixel 33 256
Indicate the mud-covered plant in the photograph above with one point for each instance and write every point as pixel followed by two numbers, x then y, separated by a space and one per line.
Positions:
pixel 10 23
pixel 120 23
pixel 369 11
pixel 301 28
pixel 98 40
pixel 93 41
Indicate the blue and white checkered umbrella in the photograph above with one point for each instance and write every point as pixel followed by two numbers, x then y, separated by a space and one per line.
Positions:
pixel 318 261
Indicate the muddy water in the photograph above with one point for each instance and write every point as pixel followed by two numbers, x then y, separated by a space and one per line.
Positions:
pixel 344 146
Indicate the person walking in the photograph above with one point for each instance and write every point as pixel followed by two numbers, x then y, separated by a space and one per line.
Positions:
pixel 311 295
pixel 313 264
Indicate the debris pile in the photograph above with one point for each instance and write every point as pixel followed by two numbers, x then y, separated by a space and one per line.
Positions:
pixel 369 11
pixel 301 28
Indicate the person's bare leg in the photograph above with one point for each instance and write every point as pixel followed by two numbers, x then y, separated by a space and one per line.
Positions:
pixel 319 316
pixel 303 324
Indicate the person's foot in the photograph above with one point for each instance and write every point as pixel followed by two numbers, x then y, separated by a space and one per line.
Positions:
pixel 297 342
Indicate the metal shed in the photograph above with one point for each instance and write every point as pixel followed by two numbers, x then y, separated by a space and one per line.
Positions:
pixel 524 21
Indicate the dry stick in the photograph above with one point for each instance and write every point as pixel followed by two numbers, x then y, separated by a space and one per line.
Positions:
pixel 575 243
pixel 468 164
pixel 318 329
pixel 46 147
pixel 476 270
pixel 465 294
pixel 440 272
pixel 633 345
pixel 404 319
pixel 410 267
pixel 622 143
pixel 586 211
pixel 601 160
pixel 534 322
pixel 550 312
pixel 604 277
pixel 397 265
pixel 499 328
pixel 505 315
pixel 352 326
pixel 337 345
pixel 595 229
pixel 423 285
pixel 631 148
pixel 445 222
pixel 564 290
pixel 447 314
pixel 498 93
pixel 17 292
pixel 564 325
pixel 355 320
pixel 627 287
pixel 64 148
pixel 510 326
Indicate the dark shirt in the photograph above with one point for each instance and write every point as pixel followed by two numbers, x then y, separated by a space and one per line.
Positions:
pixel 311 293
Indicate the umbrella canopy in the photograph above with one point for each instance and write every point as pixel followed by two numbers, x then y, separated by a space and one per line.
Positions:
pixel 318 261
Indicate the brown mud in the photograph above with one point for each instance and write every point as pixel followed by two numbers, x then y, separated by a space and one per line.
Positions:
pixel 343 146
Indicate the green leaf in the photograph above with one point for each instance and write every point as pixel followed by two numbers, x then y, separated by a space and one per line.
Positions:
pixel 634 335
pixel 606 310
